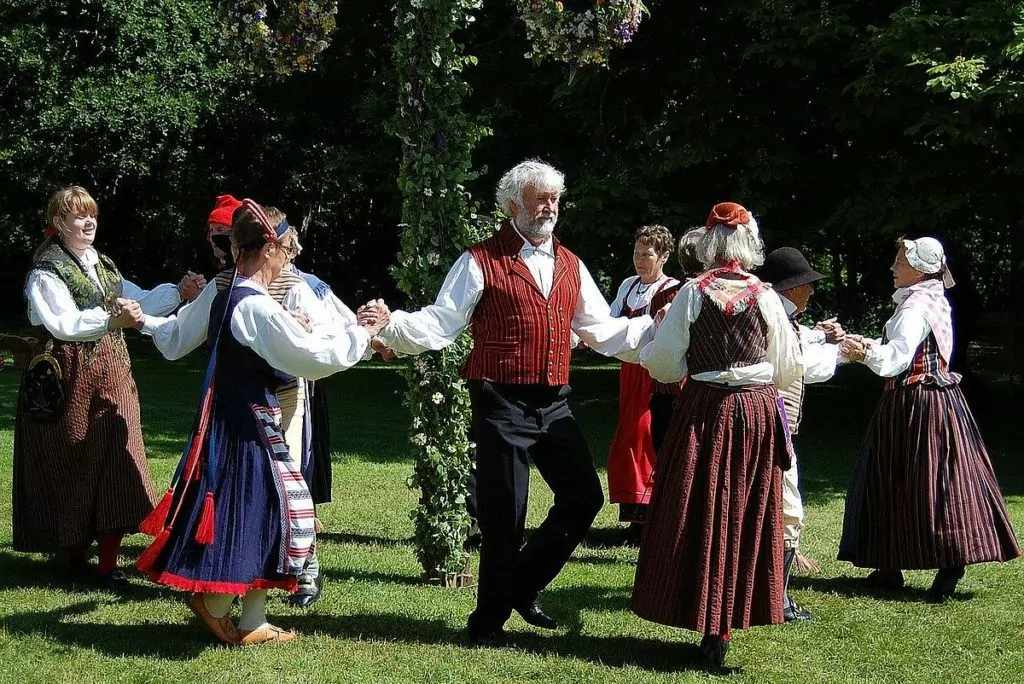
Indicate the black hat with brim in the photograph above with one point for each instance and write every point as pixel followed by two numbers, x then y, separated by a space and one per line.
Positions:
pixel 786 268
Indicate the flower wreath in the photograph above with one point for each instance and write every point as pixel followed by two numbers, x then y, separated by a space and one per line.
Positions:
pixel 300 32
pixel 579 37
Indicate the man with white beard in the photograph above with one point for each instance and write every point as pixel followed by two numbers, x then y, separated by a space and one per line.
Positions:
pixel 523 295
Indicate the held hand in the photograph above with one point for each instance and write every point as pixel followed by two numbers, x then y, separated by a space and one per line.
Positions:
pixel 189 288
pixel 834 333
pixel 853 349
pixel 127 314
pixel 662 312
pixel 302 319
pixel 386 353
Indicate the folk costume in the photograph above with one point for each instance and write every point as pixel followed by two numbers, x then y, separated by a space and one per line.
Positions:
pixel 239 516
pixel 522 302
pixel 711 555
pixel 785 269
pixel 80 469
pixel 645 406
pixel 924 494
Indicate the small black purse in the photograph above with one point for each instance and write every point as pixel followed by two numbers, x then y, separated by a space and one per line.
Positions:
pixel 42 393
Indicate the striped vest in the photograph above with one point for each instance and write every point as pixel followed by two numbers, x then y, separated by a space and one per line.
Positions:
pixel 927 368
pixel 519 337
pixel 719 342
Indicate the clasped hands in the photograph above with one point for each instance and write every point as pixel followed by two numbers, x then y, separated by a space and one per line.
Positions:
pixel 191 286
pixel 855 347
pixel 125 313
pixel 374 316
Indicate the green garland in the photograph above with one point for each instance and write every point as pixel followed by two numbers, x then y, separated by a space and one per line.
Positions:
pixel 439 222
pixel 280 37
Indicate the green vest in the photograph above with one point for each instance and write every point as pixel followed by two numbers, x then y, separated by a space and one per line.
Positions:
pixel 63 264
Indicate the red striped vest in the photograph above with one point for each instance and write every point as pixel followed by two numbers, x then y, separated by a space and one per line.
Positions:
pixel 719 342
pixel 519 337
pixel 928 368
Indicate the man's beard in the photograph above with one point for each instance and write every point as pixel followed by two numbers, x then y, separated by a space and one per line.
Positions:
pixel 538 228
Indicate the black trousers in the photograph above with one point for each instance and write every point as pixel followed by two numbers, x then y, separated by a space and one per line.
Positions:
pixel 514 424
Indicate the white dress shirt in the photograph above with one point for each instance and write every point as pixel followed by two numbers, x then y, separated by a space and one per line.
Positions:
pixel 665 357
pixel 905 332
pixel 51 305
pixel 436 326
pixel 820 357
pixel 178 335
pixel 263 325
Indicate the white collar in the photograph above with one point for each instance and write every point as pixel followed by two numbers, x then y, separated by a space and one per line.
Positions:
pixel 90 258
pixel 547 247
pixel 789 306
pixel 242 281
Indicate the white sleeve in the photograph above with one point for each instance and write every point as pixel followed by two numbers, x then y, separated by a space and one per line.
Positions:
pixel 622 338
pixel 616 305
pixel 178 335
pixel 665 357
pixel 338 310
pixel 302 298
pixel 50 304
pixel 261 324
pixel 906 330
pixel 783 346
pixel 819 359
pixel 161 300
pixel 436 326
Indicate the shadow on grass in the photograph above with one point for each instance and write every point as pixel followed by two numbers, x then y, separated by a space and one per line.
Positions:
pixel 856 587
pixel 624 651
pixel 170 642
pixel 19 571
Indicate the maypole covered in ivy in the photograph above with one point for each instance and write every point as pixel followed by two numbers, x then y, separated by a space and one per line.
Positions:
pixel 439 222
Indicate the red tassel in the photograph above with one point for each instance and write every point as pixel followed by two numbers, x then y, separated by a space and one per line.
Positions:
pixel 154 523
pixel 204 531
pixel 149 556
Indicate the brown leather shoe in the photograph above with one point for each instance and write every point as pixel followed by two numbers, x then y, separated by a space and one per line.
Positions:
pixel 222 628
pixel 268 634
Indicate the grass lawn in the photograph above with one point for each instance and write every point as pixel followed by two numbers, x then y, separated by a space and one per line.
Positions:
pixel 377 623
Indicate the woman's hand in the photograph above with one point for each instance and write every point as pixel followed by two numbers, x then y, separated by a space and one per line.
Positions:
pixel 127 314
pixel 303 320
pixel 853 349
pixel 191 286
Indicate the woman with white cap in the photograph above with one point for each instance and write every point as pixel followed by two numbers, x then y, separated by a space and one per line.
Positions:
pixel 924 494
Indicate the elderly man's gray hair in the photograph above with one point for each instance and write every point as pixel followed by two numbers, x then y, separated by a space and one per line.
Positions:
pixel 532 172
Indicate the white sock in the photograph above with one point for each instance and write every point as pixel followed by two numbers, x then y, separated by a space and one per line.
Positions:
pixel 254 610
pixel 218 605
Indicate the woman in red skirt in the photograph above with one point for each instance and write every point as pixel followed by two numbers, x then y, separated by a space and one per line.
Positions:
pixel 645 406
pixel 924 495
pixel 711 555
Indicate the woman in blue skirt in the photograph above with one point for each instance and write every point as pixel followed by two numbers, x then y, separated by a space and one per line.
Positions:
pixel 238 518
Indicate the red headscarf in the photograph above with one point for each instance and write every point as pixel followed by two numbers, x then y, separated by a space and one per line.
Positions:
pixel 223 210
pixel 727 214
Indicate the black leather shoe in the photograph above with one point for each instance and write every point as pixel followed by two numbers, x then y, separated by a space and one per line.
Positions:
pixel 713 649
pixel 944 585
pixel 307 594
pixel 493 639
pixel 534 615
pixel 794 612
pixel 115 580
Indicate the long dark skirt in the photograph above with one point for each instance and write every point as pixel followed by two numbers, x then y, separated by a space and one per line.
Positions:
pixel 711 555
pixel 85 473
pixel 248 547
pixel 320 419
pixel 924 494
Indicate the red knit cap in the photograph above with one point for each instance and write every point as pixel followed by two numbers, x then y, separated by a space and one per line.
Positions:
pixel 223 210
